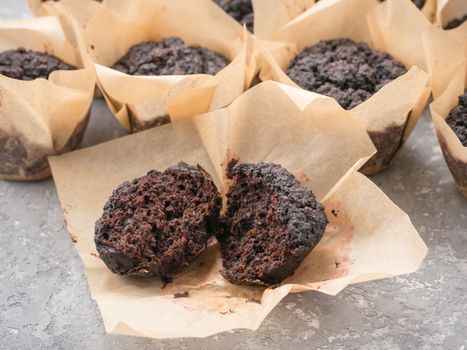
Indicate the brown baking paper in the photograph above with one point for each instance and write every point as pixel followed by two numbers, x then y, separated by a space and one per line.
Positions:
pixel 43 117
pixel 395 26
pixel 139 102
pixel 367 238
pixel 272 15
pixel 446 11
pixel 447 66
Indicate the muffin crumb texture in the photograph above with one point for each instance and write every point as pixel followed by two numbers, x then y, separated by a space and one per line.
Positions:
pixel 457 119
pixel 348 71
pixel 156 224
pixel 25 64
pixel 271 224
pixel 170 56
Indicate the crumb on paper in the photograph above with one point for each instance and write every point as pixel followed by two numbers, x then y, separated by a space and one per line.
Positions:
pixel 95 255
pixel 230 311
pixel 181 295
pixel 165 281
pixel 337 264
pixel 334 212
pixel 253 300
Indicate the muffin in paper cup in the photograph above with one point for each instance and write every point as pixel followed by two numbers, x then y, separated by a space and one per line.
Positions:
pixel 394 27
pixel 43 116
pixel 447 64
pixel 143 101
pixel 368 237
pixel 455 153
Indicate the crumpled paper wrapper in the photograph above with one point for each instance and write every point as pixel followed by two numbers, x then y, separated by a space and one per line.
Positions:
pixel 449 65
pixel 43 117
pixel 368 237
pixel 395 26
pixel 446 11
pixel 272 15
pixel 141 102
pixel 429 10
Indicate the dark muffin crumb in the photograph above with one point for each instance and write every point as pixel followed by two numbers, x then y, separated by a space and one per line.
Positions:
pixel 271 224
pixel 456 22
pixel 348 71
pixel 241 10
pixel 169 57
pixel 457 119
pixel 25 64
pixel 158 223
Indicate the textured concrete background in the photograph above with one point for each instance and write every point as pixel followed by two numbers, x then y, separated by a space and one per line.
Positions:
pixel 45 301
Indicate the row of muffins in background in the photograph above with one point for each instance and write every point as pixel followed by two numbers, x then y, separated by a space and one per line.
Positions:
pixel 160 61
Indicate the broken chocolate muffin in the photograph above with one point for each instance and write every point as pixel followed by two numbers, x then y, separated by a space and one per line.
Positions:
pixel 158 223
pixel 456 22
pixel 25 64
pixel 271 224
pixel 348 71
pixel 241 10
pixel 457 119
pixel 169 57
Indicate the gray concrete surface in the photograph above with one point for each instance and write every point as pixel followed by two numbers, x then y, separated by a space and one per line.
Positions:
pixel 45 301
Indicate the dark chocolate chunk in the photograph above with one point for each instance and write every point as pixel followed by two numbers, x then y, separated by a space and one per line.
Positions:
pixel 271 224
pixel 25 64
pixel 348 71
pixel 457 119
pixel 169 57
pixel 456 22
pixel 156 224
pixel 241 10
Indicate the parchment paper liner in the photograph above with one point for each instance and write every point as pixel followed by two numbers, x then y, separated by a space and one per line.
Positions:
pixel 140 102
pixel 448 10
pixel 43 117
pixel 272 15
pixel 453 150
pixel 368 238
pixel 395 26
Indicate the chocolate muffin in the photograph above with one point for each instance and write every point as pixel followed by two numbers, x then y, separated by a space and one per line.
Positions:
pixel 158 223
pixel 25 64
pixel 348 71
pixel 241 10
pixel 170 56
pixel 457 119
pixel 456 22
pixel 271 224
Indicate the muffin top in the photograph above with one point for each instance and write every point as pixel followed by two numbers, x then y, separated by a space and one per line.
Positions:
pixel 170 56
pixel 25 64
pixel 348 71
